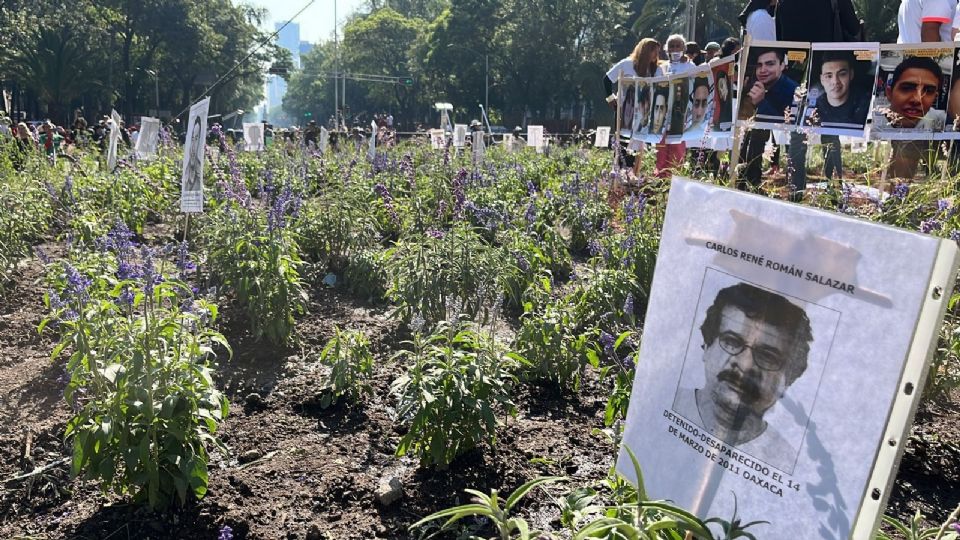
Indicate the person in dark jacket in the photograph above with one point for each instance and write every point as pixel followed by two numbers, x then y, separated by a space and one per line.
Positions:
pixel 812 21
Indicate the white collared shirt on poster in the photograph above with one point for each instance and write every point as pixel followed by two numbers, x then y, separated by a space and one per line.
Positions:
pixel 913 13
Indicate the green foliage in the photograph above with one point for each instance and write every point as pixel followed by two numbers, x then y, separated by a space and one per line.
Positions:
pixel 944 375
pixel 914 529
pixel 25 217
pixel 438 278
pixel 489 507
pixel 256 256
pixel 456 382
pixel 145 407
pixel 348 356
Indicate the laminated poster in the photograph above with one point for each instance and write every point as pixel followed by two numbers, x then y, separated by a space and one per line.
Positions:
pixel 191 181
pixel 912 92
pixel 438 140
pixel 755 351
pixel 253 137
pixel 114 140
pixel 769 97
pixel 147 140
pixel 459 135
pixel 658 121
pixel 724 80
pixel 700 108
pixel 535 137
pixel 840 88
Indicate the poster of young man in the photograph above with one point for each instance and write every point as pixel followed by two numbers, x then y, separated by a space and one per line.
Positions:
pixel 146 147
pixel 840 88
pixel 774 72
pixel 701 109
pixel 459 135
pixel 324 139
pixel 628 104
pixel 602 137
pixel 679 106
pixel 659 120
pixel 253 137
pixel 912 91
pixel 641 112
pixel 724 77
pixel 191 181
pixel 755 352
pixel 114 141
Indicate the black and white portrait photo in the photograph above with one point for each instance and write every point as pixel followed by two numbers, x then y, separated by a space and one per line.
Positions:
pixel 191 180
pixel 750 347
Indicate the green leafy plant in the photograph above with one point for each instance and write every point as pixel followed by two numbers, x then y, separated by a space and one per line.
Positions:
pixel 456 380
pixel 145 406
pixel 347 354
pixel 444 275
pixel 507 525
pixel 255 254
pixel 914 530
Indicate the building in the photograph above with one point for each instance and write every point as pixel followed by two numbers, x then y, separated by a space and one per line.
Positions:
pixel 288 38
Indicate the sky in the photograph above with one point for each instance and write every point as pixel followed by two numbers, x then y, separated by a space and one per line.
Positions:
pixel 316 23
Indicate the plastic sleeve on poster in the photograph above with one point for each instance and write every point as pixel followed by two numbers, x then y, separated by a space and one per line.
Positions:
pixel 912 381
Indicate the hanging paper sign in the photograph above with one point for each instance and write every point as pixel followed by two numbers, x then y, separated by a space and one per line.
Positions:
pixel 602 139
pixel 699 114
pixel 724 75
pixel 459 135
pixel 114 140
pixel 841 84
pixel 905 71
pixel 191 181
pixel 148 139
pixel 372 149
pixel 253 137
pixel 774 71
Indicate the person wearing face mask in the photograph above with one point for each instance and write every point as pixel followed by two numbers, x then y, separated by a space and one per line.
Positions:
pixel 670 156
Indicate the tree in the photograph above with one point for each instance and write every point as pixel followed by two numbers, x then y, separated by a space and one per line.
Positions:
pixel 716 19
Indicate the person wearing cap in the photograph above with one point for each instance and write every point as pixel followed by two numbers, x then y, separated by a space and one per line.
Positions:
pixel 711 51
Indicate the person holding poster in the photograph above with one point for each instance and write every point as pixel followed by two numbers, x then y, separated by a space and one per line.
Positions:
pixel 669 155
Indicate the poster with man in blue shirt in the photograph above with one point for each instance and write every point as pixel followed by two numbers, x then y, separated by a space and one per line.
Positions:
pixel 772 77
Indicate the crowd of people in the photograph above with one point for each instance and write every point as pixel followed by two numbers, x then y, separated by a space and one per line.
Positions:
pixel 770 91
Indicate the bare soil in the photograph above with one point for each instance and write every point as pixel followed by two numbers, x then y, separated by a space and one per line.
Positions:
pixel 313 473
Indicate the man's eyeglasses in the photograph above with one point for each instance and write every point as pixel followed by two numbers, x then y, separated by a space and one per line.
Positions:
pixel 767 358
pixel 699 102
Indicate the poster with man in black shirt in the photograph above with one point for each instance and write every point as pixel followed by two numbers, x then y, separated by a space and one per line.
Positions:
pixel 841 87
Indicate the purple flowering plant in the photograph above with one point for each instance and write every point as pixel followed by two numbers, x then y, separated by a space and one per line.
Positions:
pixel 139 348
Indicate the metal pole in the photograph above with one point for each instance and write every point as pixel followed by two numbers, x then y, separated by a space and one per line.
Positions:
pixel 336 71
pixel 486 83
pixel 156 85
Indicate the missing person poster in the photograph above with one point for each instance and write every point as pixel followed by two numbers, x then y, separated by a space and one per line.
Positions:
pixel 191 181
pixel 724 78
pixel 114 140
pixel 912 90
pixel 755 352
pixel 438 140
pixel 324 139
pixel 679 105
pixel 253 137
pixel 840 88
pixel 628 104
pixel 148 139
pixel 659 119
pixel 700 110
pixel 768 95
